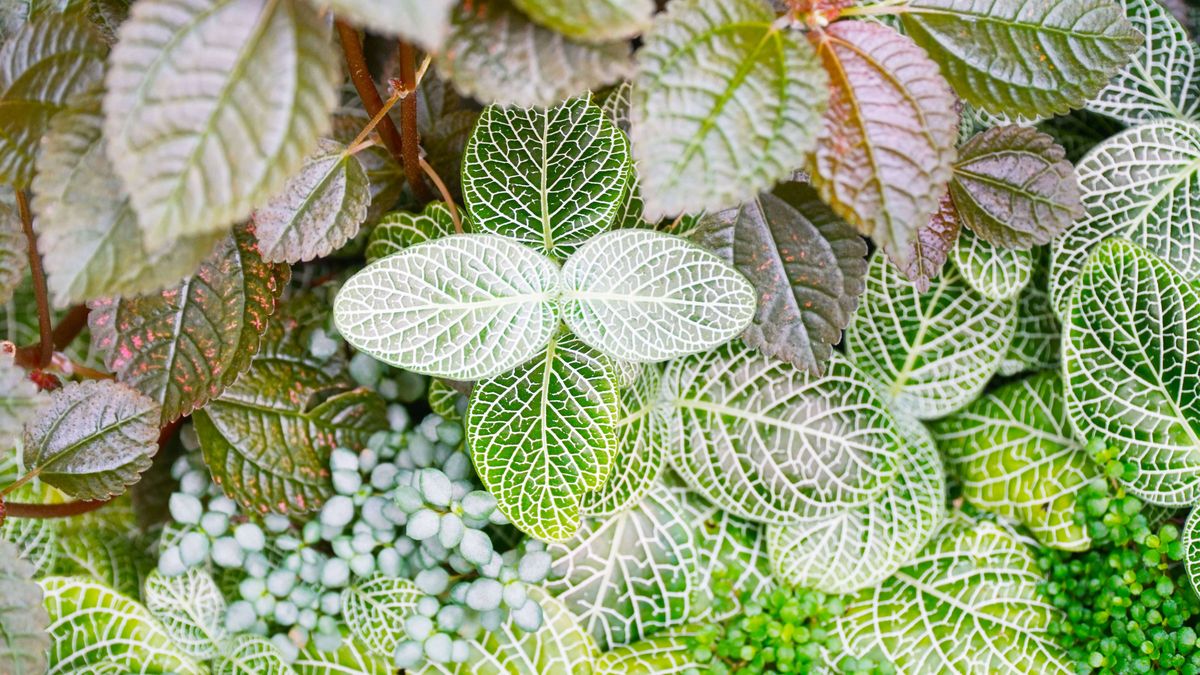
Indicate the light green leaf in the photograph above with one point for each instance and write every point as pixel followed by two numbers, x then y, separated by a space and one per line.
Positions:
pixel 190 608
pixel 399 230
pixel 1014 58
pixel 591 20
pixel 107 553
pixel 14 251
pixel 351 658
pixel 184 346
pixel 724 105
pixel 196 159
pixel 968 603
pixel 37 539
pixel 1129 346
pixel 773 444
pixel 1036 340
pixel 94 439
pixel 1139 185
pixel 550 178
pixel 465 307
pixel 646 296
pixel 95 629
pixel 423 22
pixel 251 654
pixel 1191 547
pixel 376 609
pixel 20 401
pixel 1161 80
pixel 628 576
pixel 446 401
pixel 496 55
pixel 860 547
pixel 994 272
pixel 43 67
pixel 543 435
pixel 670 652
pixel 23 620
pixel 87 231
pixel 1015 454
pixel 318 210
pixel 930 353
pixel 639 459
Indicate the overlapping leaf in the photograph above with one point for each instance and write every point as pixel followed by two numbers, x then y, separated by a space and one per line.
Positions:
pixel 638 459
pixel 464 307
pixel 592 21
pixel 351 658
pixel 248 653
pixel 190 608
pixel 376 609
pixel 1080 131
pixel 14 251
pixel 107 552
pixel 1035 343
pixel 262 76
pixel 1129 346
pixel 1191 548
pixel 669 652
pixel 385 176
pixel 423 22
pixel 724 106
pixel 20 401
pixel 994 272
pixel 399 230
pixel 23 620
pixel 929 248
pixel 37 539
pixel 550 178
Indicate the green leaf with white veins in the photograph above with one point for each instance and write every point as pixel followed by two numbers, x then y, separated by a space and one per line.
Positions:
pixel 376 609
pixel 23 620
pixel 669 652
pixel 20 401
pixel 465 307
pixel 247 653
pixel 425 23
pixel 724 105
pixel 94 439
pixel 1036 340
pixel 591 20
pixel 1015 58
pixel 1142 185
pixel 398 230
pixel 1129 346
pixel 544 434
pixel 1191 548
pixel 263 78
pixel 995 273
pixel 318 210
pixel 14 251
pixel 646 296
pixel 930 353
pixel 771 443
pixel 350 658
pixel 190 608
pixel 551 178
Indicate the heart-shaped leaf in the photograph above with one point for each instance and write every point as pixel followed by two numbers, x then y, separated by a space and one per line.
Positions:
pixel 423 22
pixel 376 609
pixel 191 609
pixel 23 620
pixel 592 21
pixel 646 296
pixel 399 230
pixel 724 106
pixel 995 273
pixel 930 247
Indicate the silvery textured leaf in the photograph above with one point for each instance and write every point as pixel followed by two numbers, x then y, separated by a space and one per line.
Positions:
pixel 248 653
pixel 1130 342
pixel 646 296
pixel 668 652
pixel 191 609
pixel 376 609
pixel 724 106
pixel 20 401
pixel 591 20
pixel 929 353
pixel 638 460
pixel 384 174
pixel 423 22
pixel 1037 338
pixel 994 272
pixel 318 210
pixel 549 178
pixel 23 619
pixel 262 78
pixel 465 307
pixel 14 251
pixel 398 230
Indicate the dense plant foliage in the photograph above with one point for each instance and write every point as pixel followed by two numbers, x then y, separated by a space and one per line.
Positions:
pixel 599 336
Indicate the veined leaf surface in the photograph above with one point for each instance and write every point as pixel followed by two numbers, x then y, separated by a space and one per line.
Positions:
pixel 191 609
pixel 994 272
pixel 398 230
pixel 930 247
pixel 593 20
pixel 376 610
pixel 14 251
pixel 639 458
pixel 248 653
pixel 1191 547
pixel 669 652
pixel 23 620
pixel 1037 338
pixel 423 22
pixel 20 401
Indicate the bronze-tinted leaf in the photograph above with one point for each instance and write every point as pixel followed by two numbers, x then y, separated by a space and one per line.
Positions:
pixel 931 246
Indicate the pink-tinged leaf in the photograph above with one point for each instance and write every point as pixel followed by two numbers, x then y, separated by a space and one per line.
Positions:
pixel 929 249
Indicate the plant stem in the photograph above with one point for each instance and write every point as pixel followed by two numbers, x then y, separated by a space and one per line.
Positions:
pixel 441 186
pixel 68 328
pixel 359 141
pixel 365 86
pixel 46 349
pixel 20 510
pixel 410 135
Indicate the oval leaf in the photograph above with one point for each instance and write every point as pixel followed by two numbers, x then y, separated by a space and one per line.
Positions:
pixel 591 21
pixel 190 608
pixel 23 619
pixel 671 652
pixel 376 609
pixel 251 654
pixel 399 230
pixel 993 272
pixel 423 22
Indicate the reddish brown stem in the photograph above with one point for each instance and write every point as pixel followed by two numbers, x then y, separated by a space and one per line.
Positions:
pixel 360 75
pixel 46 344
pixel 68 328
pixel 21 510
pixel 410 135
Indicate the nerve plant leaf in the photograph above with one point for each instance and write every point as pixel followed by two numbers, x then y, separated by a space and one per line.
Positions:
pixel 23 619
pixel 1129 346
pixel 806 265
pixel 350 658
pixel 724 106
pixel 929 248
pixel 376 610
pixel 886 146
pixel 191 609
pixel 43 67
pixel 183 346
pixel 425 23
pixel 1036 340
pixel 543 435
pixel 646 296
pixel 465 307
pixel 93 439
pixel 995 273
pixel 666 652
pixel 1191 548
pixel 318 210
pixel 262 76
pixel 1014 188
pixel 1031 60
pixel 249 653
pixel 399 230
pixel 549 178
pixel 14 251
pixel 591 21
pixel 497 55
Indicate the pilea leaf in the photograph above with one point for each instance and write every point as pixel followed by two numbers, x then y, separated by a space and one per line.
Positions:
pixel 1015 454
pixel 247 653
pixel 886 146
pixel 646 296
pixel 638 458
pixel 724 106
pixel 995 273
pixel 197 159
pixel 593 21
pixel 465 307
pixel 190 608
pixel 318 210
pixel 423 22
pixel 806 265
pixel 930 246
pixel 929 353
pixel 14 252
pixel 385 176
pixel 538 66
pixel 627 576
pixel 23 619
pixel 544 434
pixel 93 439
pixel 669 652
pixel 1138 185
pixel 399 230
pixel 1036 340
pixel 550 178
pixel 43 67
pixel 1024 60
pixel 1129 342
pixel 376 610
pixel 184 345
pixel 1191 548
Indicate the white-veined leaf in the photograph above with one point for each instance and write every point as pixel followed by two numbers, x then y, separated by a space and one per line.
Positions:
pixel 1129 354
pixel 23 619
pixel 262 80
pixel 376 609
pixel 670 652
pixel 1191 547
pixel 1036 340
pixel 724 106
pixel 351 658
pixel 630 575
pixel 544 434
pixel 14 251
pixel 639 459
pixel 246 653
pixel 465 307
pixel 399 230
pixel 994 272
pixel 930 353
pixel 423 22
pixel 550 178
pixel 645 296
pixel 190 608
pixel 111 555
pixel 591 20
pixel 37 539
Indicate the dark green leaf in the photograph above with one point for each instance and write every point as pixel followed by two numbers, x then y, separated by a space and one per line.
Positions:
pixel 23 619
pixel 1080 131
pixel 398 230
